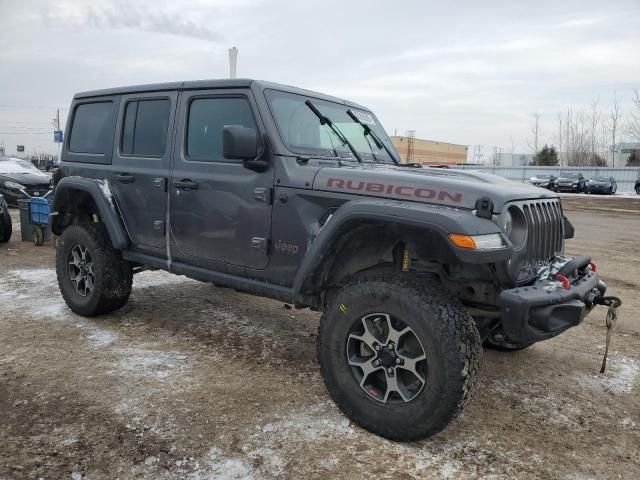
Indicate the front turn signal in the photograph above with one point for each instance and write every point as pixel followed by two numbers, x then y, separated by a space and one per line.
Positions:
pixel 490 241
pixel 462 241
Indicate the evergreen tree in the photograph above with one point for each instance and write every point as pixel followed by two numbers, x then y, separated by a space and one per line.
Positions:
pixel 547 157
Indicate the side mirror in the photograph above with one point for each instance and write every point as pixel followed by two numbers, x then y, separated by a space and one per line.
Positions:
pixel 241 143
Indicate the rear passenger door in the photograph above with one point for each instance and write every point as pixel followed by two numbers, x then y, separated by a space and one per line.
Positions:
pixel 141 164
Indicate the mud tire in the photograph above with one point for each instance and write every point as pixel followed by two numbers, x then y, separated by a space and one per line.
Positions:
pixel 449 337
pixel 113 276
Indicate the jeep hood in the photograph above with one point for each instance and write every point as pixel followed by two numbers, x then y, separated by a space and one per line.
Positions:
pixel 450 187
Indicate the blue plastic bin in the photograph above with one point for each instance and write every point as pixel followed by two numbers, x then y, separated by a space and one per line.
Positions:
pixel 40 210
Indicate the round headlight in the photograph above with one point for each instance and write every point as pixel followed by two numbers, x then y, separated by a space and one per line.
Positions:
pixel 517 232
pixel 507 223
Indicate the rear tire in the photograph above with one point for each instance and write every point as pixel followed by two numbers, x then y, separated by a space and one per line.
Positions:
pixel 432 321
pixel 92 276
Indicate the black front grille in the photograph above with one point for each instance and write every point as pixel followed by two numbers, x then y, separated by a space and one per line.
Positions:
pixel 37 191
pixel 544 231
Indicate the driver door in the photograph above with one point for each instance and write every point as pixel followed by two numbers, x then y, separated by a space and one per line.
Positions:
pixel 220 210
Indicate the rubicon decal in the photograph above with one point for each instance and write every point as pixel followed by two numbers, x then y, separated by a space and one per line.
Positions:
pixel 409 191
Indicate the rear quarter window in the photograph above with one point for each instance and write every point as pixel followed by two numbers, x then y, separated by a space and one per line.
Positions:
pixel 92 129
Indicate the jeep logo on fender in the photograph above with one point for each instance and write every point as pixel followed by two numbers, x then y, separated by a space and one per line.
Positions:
pixel 285 247
pixel 390 189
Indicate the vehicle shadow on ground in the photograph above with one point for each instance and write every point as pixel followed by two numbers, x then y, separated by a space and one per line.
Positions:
pixel 248 327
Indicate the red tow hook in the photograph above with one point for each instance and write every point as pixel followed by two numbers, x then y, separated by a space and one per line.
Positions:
pixel 593 266
pixel 564 280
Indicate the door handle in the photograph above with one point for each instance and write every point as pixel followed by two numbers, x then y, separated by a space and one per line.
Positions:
pixel 124 178
pixel 185 184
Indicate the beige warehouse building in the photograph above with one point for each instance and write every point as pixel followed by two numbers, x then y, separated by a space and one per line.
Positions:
pixel 429 152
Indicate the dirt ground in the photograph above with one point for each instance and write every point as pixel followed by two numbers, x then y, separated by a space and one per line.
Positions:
pixel 190 381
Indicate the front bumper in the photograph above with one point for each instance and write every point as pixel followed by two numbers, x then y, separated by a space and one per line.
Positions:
pixel 543 310
pixel 12 196
pixel 568 188
pixel 598 189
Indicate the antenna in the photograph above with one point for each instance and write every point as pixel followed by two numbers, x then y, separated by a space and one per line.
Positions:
pixel 233 61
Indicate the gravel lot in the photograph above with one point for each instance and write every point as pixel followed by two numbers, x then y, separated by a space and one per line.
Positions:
pixel 190 381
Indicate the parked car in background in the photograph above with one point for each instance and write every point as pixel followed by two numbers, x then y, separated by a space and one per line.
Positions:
pixel 637 186
pixel 19 179
pixel 600 184
pixel 569 182
pixel 5 221
pixel 544 181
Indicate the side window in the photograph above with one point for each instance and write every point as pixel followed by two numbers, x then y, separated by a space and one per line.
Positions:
pixel 92 129
pixel 206 119
pixel 144 132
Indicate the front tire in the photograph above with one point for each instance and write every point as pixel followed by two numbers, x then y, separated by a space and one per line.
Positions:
pixel 92 276
pixel 399 355
pixel 6 227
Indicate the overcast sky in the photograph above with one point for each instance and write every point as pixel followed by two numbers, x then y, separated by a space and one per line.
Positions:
pixel 467 72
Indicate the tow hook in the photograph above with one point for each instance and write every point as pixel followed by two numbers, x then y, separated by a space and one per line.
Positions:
pixel 612 303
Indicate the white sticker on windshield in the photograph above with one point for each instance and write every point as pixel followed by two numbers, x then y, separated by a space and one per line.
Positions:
pixel 364 117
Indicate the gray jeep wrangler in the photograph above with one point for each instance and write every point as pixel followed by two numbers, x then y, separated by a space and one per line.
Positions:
pixel 301 197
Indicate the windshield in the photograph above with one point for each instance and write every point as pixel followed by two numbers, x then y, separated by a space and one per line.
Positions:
pixel 572 175
pixel 600 179
pixel 302 132
pixel 542 177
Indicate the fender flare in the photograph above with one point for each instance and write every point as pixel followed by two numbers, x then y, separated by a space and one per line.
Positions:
pixel 101 194
pixel 440 220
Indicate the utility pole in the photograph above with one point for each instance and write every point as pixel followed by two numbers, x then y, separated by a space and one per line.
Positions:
pixel 56 126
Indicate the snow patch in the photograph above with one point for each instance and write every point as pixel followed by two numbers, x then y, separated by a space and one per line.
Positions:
pixel 221 468
pixel 628 422
pixel 106 190
pixel 101 338
pixel 39 276
pixel 158 278
pixel 154 364
pixel 620 377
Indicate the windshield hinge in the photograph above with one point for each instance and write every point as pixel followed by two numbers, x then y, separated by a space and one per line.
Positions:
pixel 484 207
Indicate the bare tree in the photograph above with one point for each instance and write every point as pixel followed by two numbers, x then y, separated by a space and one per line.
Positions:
pixel 594 119
pixel 535 133
pixel 614 122
pixel 633 127
pixel 560 138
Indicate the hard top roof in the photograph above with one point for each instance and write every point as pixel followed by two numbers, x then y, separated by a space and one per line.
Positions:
pixel 215 83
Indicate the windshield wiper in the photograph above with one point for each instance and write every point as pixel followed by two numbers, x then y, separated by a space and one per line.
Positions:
pixel 326 121
pixel 372 134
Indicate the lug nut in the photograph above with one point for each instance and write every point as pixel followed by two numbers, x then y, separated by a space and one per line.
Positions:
pixel 389 370
pixel 378 348
pixel 398 361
